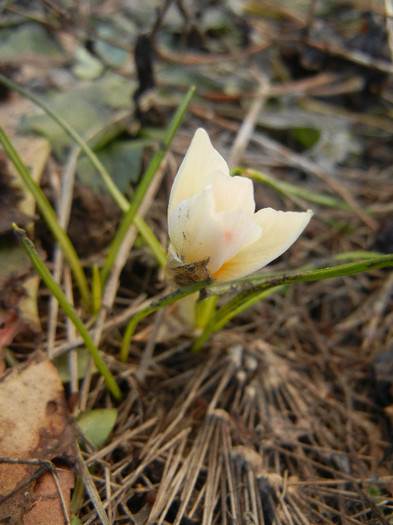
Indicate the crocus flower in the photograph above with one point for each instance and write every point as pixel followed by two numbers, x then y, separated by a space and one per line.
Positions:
pixel 213 228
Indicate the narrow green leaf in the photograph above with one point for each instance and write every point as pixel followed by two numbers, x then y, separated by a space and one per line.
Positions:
pixel 204 310
pixel 164 301
pixel 151 240
pixel 69 310
pixel 49 216
pixel 143 186
pixel 292 190
pixel 248 292
pixel 113 190
pixel 224 315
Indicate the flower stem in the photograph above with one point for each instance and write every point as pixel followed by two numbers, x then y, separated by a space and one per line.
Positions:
pixel 204 310
pixel 164 301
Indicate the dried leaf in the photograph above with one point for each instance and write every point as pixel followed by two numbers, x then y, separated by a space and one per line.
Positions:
pixel 33 425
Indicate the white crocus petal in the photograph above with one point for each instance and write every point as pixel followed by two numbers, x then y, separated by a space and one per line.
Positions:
pixel 279 231
pixel 200 161
pixel 239 230
pixel 232 193
pixel 195 231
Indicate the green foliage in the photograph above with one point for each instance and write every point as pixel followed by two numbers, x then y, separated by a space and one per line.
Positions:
pixel 252 289
pixel 49 215
pixel 32 39
pixel 69 310
pixel 63 368
pixel 97 424
pixel 86 109
pixel 307 137
pixel 122 158
pixel 144 184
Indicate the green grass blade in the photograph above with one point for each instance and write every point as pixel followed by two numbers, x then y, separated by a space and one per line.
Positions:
pixel 164 301
pixel 111 186
pixel 143 186
pixel 258 287
pixel 291 190
pixel 224 315
pixel 246 283
pixel 49 216
pixel 204 310
pixel 116 194
pixel 69 310
pixel 151 241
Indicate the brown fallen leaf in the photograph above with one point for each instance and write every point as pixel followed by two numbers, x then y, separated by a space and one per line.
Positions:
pixel 34 425
pixel 47 508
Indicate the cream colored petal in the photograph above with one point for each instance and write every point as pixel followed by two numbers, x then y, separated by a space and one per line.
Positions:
pixel 200 161
pixel 279 231
pixel 232 193
pixel 195 232
pixel 239 230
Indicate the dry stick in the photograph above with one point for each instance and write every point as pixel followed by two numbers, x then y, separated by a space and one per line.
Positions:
pixel 111 287
pixel 63 213
pixel 228 479
pixel 304 86
pixel 191 396
pixel 211 59
pixel 358 57
pixel 108 492
pixel 91 489
pixel 192 465
pixel 296 160
pixel 149 348
pixel 188 474
pixel 389 23
pixel 157 451
pixel 323 108
pixel 123 439
pixel 172 463
pixel 112 284
pixel 361 312
pixel 212 478
pixel 115 322
pixel 71 334
pixel 376 315
pixel 247 128
pixel 45 466
pixel 224 381
pixel 63 503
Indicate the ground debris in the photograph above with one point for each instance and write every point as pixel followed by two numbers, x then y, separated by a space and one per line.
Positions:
pixel 35 438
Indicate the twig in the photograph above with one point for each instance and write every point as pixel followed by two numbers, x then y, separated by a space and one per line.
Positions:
pixel 149 348
pixel 389 23
pixel 247 127
pixel 71 335
pixel 295 160
pixel 91 489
